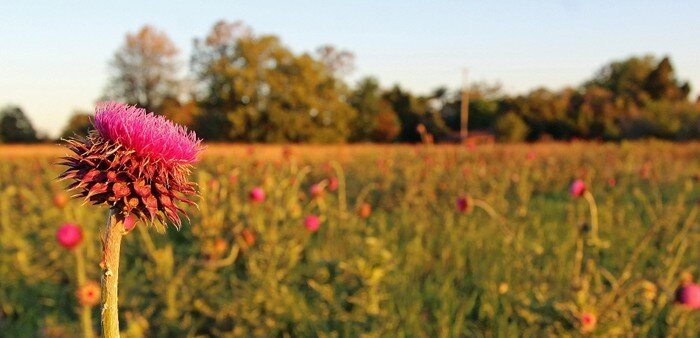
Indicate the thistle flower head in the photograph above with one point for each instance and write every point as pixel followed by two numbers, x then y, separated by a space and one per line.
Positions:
pixel 257 194
pixel 688 295
pixel 312 223
pixel 135 162
pixel 146 134
pixel 88 294
pixel 577 188
pixel 465 203
pixel 69 235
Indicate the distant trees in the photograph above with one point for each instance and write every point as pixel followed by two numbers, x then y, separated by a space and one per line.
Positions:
pixel 79 124
pixel 145 69
pixel 252 88
pixel 15 127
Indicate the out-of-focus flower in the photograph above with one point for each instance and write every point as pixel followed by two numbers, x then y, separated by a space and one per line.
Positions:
pixel 333 184
pixel 365 210
pixel 688 295
pixel 588 322
pixel 69 235
pixel 248 237
pixel 464 203
pixel 88 294
pixel 531 155
pixel 316 191
pixel 312 223
pixel 612 182
pixel 60 200
pixel 135 162
pixel 577 188
pixel 257 195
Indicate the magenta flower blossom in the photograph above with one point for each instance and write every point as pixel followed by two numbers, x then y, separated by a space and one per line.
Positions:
pixel 135 162
pixel 333 183
pixel 689 296
pixel 147 134
pixel 316 191
pixel 464 204
pixel 312 223
pixel 257 195
pixel 69 235
pixel 577 188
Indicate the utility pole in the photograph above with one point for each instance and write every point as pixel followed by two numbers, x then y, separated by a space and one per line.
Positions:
pixel 464 111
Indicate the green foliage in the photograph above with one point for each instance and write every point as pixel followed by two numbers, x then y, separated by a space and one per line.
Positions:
pixel 144 69
pixel 511 128
pixel 78 124
pixel 15 127
pixel 416 266
pixel 256 89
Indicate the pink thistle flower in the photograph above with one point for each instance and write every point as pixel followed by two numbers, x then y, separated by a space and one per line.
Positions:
pixel 577 188
pixel 333 183
pixel 134 162
pixel 464 203
pixel 257 195
pixel 689 296
pixel 146 133
pixel 588 322
pixel 316 191
pixel 69 235
pixel 312 223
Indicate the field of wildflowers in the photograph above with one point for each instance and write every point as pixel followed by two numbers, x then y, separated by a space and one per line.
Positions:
pixel 336 241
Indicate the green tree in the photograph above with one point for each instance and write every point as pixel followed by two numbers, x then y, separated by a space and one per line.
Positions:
pixel 145 69
pixel 15 127
pixel 79 124
pixel 255 89
pixel 511 128
pixel 661 83
pixel 366 99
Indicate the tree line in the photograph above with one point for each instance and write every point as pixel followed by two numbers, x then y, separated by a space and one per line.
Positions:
pixel 246 87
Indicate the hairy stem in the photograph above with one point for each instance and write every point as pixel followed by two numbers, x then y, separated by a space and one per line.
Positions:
pixel 111 244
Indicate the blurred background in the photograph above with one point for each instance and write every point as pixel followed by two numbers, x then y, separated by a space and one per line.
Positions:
pixel 372 168
pixel 258 71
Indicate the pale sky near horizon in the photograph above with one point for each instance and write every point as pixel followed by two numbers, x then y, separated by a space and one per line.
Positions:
pixel 54 55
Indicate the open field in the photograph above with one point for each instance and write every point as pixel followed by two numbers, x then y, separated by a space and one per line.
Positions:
pixel 393 255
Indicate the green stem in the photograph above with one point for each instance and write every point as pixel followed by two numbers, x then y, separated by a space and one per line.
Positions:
pixel 85 311
pixel 110 274
pixel 594 215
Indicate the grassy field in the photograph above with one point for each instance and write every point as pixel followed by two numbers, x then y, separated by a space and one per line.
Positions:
pixel 393 256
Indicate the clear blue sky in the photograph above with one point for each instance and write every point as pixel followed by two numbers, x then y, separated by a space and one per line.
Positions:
pixel 54 54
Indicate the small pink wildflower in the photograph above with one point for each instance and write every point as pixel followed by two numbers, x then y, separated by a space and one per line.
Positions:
pixel 464 203
pixel 69 235
pixel 689 296
pixel 333 183
pixel 577 188
pixel 257 195
pixel 312 223
pixel 316 191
